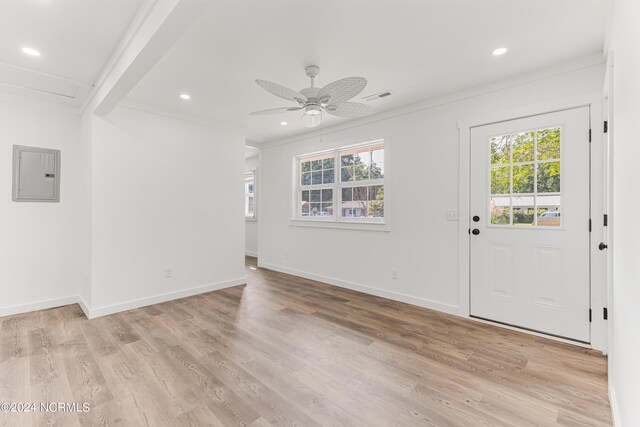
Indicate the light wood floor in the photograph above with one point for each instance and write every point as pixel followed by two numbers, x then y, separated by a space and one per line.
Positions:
pixel 288 351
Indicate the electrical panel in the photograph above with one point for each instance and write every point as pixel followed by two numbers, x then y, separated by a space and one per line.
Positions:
pixel 36 174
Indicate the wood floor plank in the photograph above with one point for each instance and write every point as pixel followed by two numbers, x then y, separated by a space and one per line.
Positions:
pixel 282 350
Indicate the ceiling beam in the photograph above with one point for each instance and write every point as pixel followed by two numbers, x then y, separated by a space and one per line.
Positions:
pixel 160 26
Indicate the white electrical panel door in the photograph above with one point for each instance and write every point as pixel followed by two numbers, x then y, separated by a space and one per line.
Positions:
pixel 36 174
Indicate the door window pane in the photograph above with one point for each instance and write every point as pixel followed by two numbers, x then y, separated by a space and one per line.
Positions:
pixel 500 149
pixel 522 146
pixel 549 144
pixel 500 180
pixel 500 210
pixel 523 179
pixel 523 211
pixel 549 177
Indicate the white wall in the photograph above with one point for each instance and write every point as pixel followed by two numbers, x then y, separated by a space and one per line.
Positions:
pixel 166 193
pixel 251 226
pixel 40 242
pixel 625 355
pixel 422 182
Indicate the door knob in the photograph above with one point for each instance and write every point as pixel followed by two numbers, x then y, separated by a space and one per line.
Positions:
pixel 476 218
pixel 602 246
pixel 475 231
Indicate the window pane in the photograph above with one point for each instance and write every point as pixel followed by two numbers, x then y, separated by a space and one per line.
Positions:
pixel 549 216
pixel 316 165
pixel 377 156
pixel 328 176
pixel 327 209
pixel 549 144
pixel 305 167
pixel 306 179
pixel 523 211
pixel 500 180
pixel 501 210
pixel 305 196
pixel 549 177
pixel 354 209
pixel 363 158
pixel 376 192
pixel 328 163
pixel 347 194
pixel 327 195
pixel 522 146
pixel 523 179
pixel 315 209
pixel 346 160
pixel 360 193
pixel 304 208
pixel 315 195
pixel 377 170
pixel 347 174
pixel 250 206
pixel 500 146
pixel 376 209
pixel 362 172
pixel 316 178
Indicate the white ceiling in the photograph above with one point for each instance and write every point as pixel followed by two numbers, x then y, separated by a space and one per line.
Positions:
pixel 75 38
pixel 415 49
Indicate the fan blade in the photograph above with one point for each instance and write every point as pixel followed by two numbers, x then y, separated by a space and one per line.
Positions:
pixel 350 109
pixel 275 111
pixel 281 91
pixel 342 90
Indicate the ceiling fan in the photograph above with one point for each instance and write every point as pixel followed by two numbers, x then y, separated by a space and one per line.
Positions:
pixel 333 98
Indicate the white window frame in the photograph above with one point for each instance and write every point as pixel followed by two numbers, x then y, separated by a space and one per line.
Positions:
pixel 250 177
pixel 337 187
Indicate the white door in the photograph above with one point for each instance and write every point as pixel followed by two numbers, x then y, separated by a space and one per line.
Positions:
pixel 530 223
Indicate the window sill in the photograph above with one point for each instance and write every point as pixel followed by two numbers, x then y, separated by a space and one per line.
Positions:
pixel 345 225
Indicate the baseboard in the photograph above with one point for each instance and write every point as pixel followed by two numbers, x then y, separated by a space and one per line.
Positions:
pixel 253 254
pixel 84 306
pixel 615 411
pixel 39 305
pixel 396 296
pixel 156 299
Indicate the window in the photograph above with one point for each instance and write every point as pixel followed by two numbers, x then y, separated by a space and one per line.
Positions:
pixel 342 184
pixel 250 195
pixel 525 179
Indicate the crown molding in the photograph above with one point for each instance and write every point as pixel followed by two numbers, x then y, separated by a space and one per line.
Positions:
pixel 175 114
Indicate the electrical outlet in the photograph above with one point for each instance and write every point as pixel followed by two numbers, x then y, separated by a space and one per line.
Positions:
pixel 452 215
pixel 394 273
pixel 168 272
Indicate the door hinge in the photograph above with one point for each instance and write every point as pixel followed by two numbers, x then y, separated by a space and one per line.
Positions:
pixel 589 135
pixel 605 313
pixel 590 317
pixel 606 126
pixel 606 220
pixel 589 225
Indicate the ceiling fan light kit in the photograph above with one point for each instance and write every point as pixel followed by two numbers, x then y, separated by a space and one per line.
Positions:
pixel 331 99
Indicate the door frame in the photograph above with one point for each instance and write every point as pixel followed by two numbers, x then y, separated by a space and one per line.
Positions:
pixel 598 266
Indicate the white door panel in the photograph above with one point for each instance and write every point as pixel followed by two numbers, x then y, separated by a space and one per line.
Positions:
pixel 530 196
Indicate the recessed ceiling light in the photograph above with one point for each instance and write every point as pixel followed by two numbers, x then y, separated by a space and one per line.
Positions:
pixel 283 123
pixel 30 51
pixel 500 51
pixel 185 96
